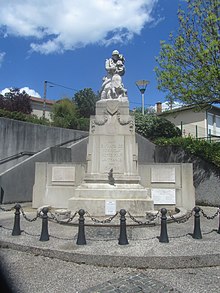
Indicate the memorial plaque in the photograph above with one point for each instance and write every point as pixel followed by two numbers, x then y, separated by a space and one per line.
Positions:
pixel 112 154
pixel 164 174
pixel 63 174
pixel 163 196
pixel 110 207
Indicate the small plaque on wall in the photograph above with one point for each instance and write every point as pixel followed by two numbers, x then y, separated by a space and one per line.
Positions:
pixel 163 196
pixel 63 174
pixel 163 174
pixel 110 207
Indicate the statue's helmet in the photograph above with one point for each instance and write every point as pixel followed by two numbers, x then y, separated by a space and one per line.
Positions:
pixel 115 52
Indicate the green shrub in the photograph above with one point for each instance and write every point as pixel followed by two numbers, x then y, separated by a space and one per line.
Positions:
pixel 209 151
pixel 152 127
pixel 23 117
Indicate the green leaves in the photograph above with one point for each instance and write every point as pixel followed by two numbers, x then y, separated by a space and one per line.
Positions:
pixel 189 65
pixel 152 127
pixel 201 148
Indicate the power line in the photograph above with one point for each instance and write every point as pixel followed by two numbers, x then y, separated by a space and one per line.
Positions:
pixel 56 84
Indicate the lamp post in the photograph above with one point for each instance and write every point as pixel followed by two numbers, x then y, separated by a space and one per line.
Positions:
pixel 142 84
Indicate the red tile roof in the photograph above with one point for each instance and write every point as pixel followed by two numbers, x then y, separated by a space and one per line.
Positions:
pixel 40 100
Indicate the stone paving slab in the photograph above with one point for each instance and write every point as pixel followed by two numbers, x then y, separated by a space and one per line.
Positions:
pixel 135 283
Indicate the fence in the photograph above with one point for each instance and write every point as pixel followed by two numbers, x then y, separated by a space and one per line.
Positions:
pixel 45 215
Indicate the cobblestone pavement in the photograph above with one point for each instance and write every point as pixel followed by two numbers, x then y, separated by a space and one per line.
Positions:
pixel 33 266
pixel 33 274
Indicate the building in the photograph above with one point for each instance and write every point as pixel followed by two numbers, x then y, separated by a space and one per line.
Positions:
pixel 38 107
pixel 196 123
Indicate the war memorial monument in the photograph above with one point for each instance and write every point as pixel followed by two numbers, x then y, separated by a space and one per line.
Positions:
pixel 111 178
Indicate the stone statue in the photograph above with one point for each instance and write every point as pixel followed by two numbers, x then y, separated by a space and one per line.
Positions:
pixel 111 179
pixel 112 86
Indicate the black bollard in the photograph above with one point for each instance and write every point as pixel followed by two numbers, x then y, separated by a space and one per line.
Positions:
pixel 81 238
pixel 197 231
pixel 123 240
pixel 44 231
pixel 218 231
pixel 163 227
pixel 16 229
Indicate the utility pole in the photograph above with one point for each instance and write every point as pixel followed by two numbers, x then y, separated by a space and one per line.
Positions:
pixel 45 97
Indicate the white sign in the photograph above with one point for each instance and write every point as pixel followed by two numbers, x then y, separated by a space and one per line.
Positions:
pixel 163 196
pixel 110 207
pixel 163 174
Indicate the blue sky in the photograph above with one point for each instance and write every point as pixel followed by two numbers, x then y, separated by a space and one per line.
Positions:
pixel 66 42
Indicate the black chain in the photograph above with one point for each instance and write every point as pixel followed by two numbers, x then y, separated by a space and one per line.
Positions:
pixel 53 217
pixel 30 220
pixel 183 220
pixel 6 210
pixel 27 233
pixel 210 217
pixel 101 221
pixel 143 223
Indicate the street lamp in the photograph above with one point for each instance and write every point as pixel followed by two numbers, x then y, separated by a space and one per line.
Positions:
pixel 142 84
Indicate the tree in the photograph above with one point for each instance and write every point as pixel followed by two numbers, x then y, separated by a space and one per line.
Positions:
pixel 64 114
pixel 86 101
pixel 14 100
pixel 190 63
pixel 152 127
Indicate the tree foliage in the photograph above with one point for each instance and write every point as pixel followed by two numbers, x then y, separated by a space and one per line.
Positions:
pixel 152 127
pixel 16 101
pixel 189 65
pixel 201 148
pixel 64 114
pixel 86 100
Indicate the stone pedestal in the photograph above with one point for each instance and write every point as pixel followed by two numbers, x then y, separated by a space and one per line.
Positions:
pixel 111 146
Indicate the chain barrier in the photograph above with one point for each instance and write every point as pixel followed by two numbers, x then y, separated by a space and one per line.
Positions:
pixel 27 233
pixel 143 223
pixel 6 210
pixel 210 217
pixel 106 221
pixel 182 220
pixel 54 217
pixel 27 219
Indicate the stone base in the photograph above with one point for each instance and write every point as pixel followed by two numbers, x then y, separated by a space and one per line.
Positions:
pixel 94 197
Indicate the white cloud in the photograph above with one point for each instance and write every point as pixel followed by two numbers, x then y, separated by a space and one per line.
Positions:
pixel 65 25
pixel 29 91
pixel 2 56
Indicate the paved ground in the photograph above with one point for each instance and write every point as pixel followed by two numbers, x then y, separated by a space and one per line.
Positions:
pixel 59 265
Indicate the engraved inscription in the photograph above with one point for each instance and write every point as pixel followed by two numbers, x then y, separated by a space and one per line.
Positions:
pixel 112 154
pixel 63 174
pixel 163 196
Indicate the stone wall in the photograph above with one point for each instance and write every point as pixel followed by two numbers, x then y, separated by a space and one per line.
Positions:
pixel 21 137
pixel 206 176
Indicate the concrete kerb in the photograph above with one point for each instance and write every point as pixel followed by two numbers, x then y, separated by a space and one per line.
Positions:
pixel 143 251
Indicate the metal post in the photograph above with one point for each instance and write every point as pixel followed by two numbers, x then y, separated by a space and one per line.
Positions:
pixel 16 229
pixel 218 231
pixel 123 240
pixel 142 101
pixel 44 231
pixel 81 239
pixel 197 231
pixel 163 228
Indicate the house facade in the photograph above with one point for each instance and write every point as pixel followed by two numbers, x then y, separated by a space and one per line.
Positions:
pixel 38 107
pixel 203 123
